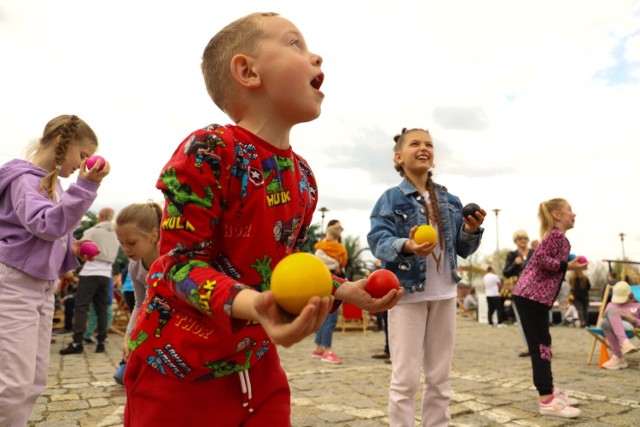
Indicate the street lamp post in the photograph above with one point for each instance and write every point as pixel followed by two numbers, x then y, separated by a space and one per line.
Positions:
pixel 622 242
pixel 324 211
pixel 496 211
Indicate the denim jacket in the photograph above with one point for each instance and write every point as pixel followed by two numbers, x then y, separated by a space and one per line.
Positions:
pixel 402 207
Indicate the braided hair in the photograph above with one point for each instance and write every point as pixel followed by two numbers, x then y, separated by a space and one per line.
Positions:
pixel 431 204
pixel 64 129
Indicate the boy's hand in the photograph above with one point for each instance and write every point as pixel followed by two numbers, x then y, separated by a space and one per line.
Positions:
pixel 354 293
pixel 286 329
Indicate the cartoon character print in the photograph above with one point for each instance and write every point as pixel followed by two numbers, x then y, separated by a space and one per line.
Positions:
pixel 198 249
pixel 263 267
pixel 161 305
pixel 221 368
pixel 305 183
pixel 187 288
pixel 180 195
pixel 224 265
pixel 285 232
pixel 202 146
pixel 244 154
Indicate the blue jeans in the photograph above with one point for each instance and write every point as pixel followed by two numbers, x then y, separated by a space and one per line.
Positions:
pixel 324 336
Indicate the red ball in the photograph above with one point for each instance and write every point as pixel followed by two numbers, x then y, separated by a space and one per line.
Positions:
pixel 92 161
pixel 89 249
pixel 380 282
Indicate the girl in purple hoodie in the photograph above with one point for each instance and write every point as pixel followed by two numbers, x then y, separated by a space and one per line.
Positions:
pixel 37 219
pixel 534 295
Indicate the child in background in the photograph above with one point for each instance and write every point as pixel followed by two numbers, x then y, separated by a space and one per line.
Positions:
pixel 238 200
pixel 333 253
pixel 37 219
pixel 571 316
pixel 422 325
pixel 535 294
pixel 622 312
pixel 138 231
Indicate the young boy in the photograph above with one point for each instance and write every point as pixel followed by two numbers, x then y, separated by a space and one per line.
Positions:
pixel 237 201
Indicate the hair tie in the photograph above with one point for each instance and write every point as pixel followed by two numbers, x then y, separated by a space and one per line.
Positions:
pixel 59 167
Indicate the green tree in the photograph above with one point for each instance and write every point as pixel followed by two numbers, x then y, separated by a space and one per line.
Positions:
pixel 89 220
pixel 314 235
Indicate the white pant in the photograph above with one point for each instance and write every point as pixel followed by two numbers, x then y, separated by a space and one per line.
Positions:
pixel 421 335
pixel 26 316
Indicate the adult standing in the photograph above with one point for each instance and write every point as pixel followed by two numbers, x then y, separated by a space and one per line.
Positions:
pixel 95 278
pixel 492 285
pixel 580 287
pixel 513 266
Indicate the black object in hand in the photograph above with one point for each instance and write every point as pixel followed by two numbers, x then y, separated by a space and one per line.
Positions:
pixel 470 209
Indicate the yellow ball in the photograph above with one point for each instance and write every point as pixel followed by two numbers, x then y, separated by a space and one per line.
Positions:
pixel 425 233
pixel 297 278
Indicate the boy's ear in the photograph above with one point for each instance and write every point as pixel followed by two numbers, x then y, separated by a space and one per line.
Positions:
pixel 242 71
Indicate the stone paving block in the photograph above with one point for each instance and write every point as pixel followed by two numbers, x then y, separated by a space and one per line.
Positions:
pixel 491 386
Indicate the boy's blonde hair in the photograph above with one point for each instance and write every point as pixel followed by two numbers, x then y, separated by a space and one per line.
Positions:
pixel 544 214
pixel 70 129
pixel 242 36
pixel 145 217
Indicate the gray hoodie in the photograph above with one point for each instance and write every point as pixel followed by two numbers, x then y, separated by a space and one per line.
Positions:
pixel 35 231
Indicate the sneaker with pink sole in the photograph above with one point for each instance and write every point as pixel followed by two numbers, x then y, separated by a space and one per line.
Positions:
pixel 615 363
pixel 627 347
pixel 330 357
pixel 317 353
pixel 561 395
pixel 558 408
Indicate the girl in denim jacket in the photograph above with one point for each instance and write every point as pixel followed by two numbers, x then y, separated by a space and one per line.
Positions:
pixel 422 325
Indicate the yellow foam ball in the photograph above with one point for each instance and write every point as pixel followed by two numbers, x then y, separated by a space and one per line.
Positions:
pixel 297 278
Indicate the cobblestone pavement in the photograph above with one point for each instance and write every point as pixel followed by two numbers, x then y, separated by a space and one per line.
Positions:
pixel 491 384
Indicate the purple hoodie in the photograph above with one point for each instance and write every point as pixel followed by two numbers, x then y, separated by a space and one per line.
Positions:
pixel 36 232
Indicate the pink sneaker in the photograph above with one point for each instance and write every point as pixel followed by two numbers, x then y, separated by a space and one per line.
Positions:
pixel 330 357
pixel 615 363
pixel 317 353
pixel 558 408
pixel 627 347
pixel 560 395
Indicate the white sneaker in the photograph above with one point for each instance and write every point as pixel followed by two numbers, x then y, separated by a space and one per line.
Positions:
pixel 615 363
pixel 501 325
pixel 627 347
pixel 560 395
pixel 558 408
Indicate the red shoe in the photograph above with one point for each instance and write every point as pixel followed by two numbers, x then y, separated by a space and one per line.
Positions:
pixel 330 357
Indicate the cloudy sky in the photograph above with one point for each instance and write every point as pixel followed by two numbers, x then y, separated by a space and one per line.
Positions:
pixel 526 100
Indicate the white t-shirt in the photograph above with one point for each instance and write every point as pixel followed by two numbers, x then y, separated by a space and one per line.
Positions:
pixel 491 285
pixel 439 281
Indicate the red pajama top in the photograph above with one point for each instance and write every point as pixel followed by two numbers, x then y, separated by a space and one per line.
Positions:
pixel 234 206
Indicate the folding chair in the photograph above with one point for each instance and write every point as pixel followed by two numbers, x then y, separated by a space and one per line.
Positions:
pixel 121 313
pixel 352 313
pixel 598 333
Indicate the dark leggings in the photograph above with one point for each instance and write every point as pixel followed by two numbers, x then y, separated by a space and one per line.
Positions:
pixel 534 318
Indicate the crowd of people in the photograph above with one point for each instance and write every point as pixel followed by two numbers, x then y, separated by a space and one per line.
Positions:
pixel 204 329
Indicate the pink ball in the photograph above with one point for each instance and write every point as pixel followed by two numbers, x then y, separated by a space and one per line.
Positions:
pixel 89 249
pixel 582 260
pixel 92 161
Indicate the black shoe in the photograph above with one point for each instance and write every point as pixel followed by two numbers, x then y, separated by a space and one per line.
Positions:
pixel 73 348
pixel 100 347
pixel 381 355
